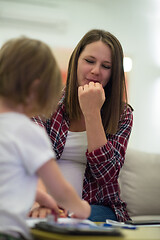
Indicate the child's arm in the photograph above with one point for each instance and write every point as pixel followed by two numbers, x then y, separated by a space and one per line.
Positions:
pixel 45 204
pixel 62 191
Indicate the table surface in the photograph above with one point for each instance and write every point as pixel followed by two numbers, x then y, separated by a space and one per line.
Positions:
pixel 140 233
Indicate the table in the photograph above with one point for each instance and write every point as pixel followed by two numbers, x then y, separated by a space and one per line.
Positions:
pixel 141 233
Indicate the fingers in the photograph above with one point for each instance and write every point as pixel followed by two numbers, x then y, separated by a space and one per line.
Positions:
pixel 91 97
pixel 90 85
pixel 63 213
pixel 50 203
pixel 46 201
pixel 94 84
pixel 40 212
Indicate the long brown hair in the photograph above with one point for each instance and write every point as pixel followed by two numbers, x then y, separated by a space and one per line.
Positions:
pixel 22 61
pixel 115 90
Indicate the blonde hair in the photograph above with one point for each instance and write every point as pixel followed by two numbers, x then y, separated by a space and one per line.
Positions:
pixel 115 90
pixel 22 61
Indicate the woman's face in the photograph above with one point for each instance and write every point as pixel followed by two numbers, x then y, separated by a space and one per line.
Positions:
pixel 94 64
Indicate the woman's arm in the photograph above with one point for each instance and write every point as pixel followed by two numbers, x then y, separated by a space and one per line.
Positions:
pixel 91 99
pixel 105 155
pixel 105 162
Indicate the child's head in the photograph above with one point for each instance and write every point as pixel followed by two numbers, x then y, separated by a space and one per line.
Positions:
pixel 29 74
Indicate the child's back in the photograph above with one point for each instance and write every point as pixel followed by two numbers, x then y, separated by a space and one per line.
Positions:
pixel 30 84
pixel 24 147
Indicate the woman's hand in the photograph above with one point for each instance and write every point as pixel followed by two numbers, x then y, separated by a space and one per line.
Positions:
pixel 91 98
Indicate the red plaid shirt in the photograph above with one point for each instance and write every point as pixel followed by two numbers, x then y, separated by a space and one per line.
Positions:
pixel 100 185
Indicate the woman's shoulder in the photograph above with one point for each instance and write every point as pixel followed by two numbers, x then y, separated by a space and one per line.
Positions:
pixel 127 108
pixel 127 113
pixel 60 115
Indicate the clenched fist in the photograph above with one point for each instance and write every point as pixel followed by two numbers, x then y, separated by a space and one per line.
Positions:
pixel 91 98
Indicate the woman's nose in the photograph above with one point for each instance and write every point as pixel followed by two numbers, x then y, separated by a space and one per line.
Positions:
pixel 95 69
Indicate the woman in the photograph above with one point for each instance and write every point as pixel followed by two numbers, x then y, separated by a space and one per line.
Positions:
pixel 92 124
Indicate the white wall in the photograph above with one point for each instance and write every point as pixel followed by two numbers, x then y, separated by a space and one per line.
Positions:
pixel 136 23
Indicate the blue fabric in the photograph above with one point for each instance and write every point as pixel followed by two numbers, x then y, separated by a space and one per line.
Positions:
pixel 101 213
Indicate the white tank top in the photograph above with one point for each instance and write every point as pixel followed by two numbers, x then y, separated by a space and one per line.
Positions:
pixel 73 159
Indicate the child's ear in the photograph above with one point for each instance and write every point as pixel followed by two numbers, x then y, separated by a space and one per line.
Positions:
pixel 33 91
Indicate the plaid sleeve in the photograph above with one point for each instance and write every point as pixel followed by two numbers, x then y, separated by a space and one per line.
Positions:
pixel 106 161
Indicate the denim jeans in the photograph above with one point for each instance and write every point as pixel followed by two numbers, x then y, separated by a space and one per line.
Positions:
pixel 101 213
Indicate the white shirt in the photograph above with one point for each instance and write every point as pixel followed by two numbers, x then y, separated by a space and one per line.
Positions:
pixel 73 159
pixel 24 148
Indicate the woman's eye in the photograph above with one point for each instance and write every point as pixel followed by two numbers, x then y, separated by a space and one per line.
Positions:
pixel 106 67
pixel 92 62
pixel 89 61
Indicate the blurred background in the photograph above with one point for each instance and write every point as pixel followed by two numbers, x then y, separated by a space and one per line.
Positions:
pixel 136 23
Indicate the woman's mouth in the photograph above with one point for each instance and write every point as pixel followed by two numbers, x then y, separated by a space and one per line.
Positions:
pixel 93 80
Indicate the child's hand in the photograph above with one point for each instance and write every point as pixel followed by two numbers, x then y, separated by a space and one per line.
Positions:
pixel 85 213
pixel 38 211
pixel 44 206
pixel 63 213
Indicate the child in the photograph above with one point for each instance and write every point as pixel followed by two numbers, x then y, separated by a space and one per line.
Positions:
pixel 30 84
